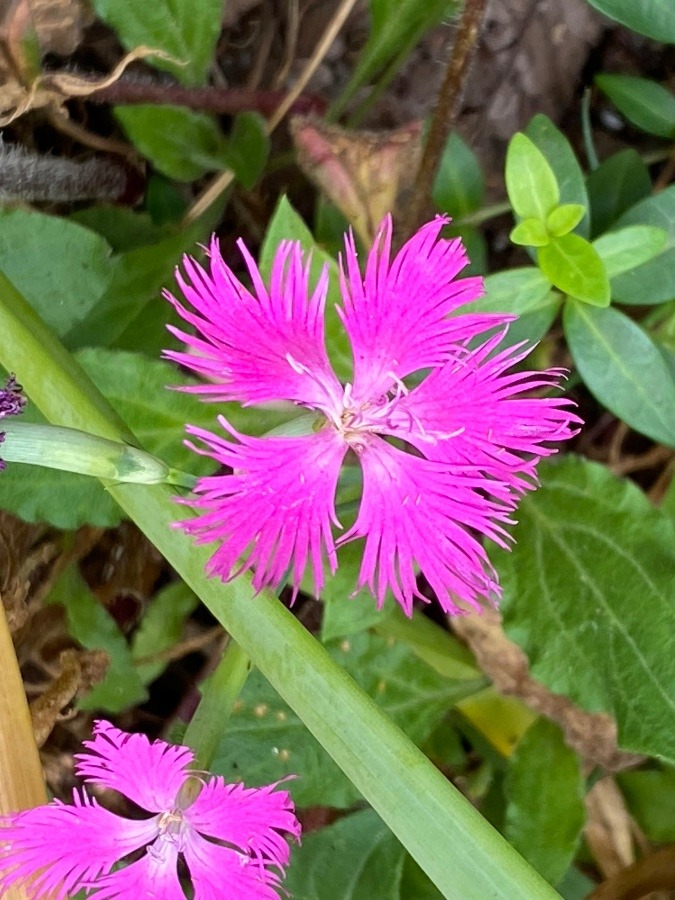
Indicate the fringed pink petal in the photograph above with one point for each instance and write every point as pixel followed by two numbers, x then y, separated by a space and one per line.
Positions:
pixel 154 875
pixel 219 872
pixel 252 819
pixel 256 346
pixel 149 774
pixel 416 513
pixel 396 315
pixel 276 508
pixel 56 850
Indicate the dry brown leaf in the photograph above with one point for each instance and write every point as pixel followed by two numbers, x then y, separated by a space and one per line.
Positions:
pixel 60 24
pixel 366 174
pixel 592 735
pixel 609 831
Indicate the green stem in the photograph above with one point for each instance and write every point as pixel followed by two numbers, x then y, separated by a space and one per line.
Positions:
pixel 219 694
pixel 482 215
pixel 457 848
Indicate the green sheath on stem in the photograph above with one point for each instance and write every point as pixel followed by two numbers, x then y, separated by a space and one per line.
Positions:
pixel 461 853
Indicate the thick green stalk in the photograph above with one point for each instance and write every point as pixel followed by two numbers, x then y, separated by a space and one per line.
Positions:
pixel 462 854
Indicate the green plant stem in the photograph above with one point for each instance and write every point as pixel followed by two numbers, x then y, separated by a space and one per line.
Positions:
pixel 587 131
pixel 483 215
pixel 219 694
pixel 461 853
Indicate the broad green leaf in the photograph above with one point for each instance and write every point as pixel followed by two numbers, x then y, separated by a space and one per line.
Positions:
pixel 343 613
pixel 178 142
pixel 564 218
pixel 530 233
pixel 396 26
pixel 248 148
pixel 622 367
pixel 645 103
pixel 560 157
pixel 650 795
pixel 653 282
pixel 574 267
pixel 618 183
pixel 655 18
pixel 356 858
pixel 60 267
pixel 286 224
pixel 589 595
pixel 161 628
pixel 544 790
pixel 458 187
pixel 185 29
pixel 122 227
pixel 523 292
pixel 93 626
pixel 627 248
pixel 530 181
pixel 266 741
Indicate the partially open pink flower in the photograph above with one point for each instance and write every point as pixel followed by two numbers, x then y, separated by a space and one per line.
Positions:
pixel 232 838
pixel 12 403
pixel 445 457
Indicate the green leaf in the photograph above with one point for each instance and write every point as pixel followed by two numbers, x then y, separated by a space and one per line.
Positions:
pixel 530 181
pixel 286 224
pixel 161 628
pixel 61 268
pixel 266 740
pixel 627 248
pixel 396 26
pixel 618 183
pixel 560 157
pixel 122 227
pixel 185 29
pixel 357 858
pixel 458 187
pixel 646 104
pixel 179 143
pixel 650 795
pixel 93 626
pixel 530 233
pixel 248 148
pixel 525 293
pixel 653 282
pixel 574 267
pixel 655 18
pixel 544 790
pixel 588 595
pixel 344 614
pixel 623 368
pixel 563 219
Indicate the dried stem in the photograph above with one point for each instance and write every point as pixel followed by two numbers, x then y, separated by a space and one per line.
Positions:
pixel 446 111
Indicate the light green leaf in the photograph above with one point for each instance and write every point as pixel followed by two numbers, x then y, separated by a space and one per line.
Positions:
pixel 357 858
pixel 523 292
pixel 653 282
pixel 93 626
pixel 178 142
pixel 655 18
pixel 618 183
pixel 574 267
pixel 627 248
pixel 563 219
pixel 623 368
pixel 161 628
pixel 185 29
pixel 650 795
pixel 544 790
pixel 530 181
pixel 266 741
pixel 560 157
pixel 589 595
pixel 458 187
pixel 61 268
pixel 286 224
pixel 646 104
pixel 530 233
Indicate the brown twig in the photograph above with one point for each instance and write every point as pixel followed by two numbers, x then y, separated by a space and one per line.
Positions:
pixel 446 111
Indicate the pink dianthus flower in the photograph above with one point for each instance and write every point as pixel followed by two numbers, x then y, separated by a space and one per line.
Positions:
pixel 468 432
pixel 231 837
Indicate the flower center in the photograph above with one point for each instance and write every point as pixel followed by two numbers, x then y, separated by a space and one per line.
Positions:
pixel 172 827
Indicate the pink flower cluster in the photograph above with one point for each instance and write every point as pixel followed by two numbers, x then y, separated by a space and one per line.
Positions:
pixel 447 434
pixel 232 838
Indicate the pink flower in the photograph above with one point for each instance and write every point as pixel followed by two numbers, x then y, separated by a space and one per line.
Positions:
pixel 229 836
pixel 445 457
pixel 12 403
